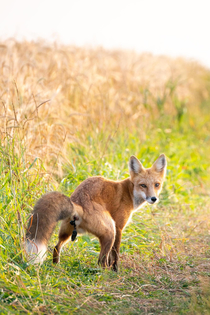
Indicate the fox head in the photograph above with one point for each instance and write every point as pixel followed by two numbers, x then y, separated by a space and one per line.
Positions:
pixel 147 181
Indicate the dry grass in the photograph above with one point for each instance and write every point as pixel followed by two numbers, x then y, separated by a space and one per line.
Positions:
pixel 53 94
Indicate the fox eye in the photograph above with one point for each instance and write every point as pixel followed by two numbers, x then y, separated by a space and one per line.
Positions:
pixel 143 185
pixel 157 184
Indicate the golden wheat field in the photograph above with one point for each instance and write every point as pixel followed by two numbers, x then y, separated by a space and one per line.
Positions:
pixel 50 94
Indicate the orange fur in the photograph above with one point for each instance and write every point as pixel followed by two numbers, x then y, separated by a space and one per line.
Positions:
pixel 102 207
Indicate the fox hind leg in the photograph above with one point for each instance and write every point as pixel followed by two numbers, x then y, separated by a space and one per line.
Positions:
pixel 101 224
pixel 65 233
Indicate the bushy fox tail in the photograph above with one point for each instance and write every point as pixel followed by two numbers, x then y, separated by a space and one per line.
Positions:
pixel 48 210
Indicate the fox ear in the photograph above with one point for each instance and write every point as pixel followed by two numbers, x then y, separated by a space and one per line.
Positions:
pixel 134 165
pixel 160 164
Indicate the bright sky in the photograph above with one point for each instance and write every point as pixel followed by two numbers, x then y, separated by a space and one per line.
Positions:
pixel 171 27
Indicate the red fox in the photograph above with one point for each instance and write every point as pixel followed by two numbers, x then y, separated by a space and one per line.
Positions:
pixel 99 206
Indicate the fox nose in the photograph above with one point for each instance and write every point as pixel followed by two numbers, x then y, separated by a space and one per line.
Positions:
pixel 153 199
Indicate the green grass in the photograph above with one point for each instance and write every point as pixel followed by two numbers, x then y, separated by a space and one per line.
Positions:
pixel 165 251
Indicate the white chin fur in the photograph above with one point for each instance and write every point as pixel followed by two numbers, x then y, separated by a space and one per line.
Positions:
pixel 36 252
pixel 139 199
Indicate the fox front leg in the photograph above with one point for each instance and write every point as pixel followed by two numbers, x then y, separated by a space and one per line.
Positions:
pixel 114 254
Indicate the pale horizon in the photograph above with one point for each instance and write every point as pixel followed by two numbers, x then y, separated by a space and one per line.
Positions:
pixel 172 28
